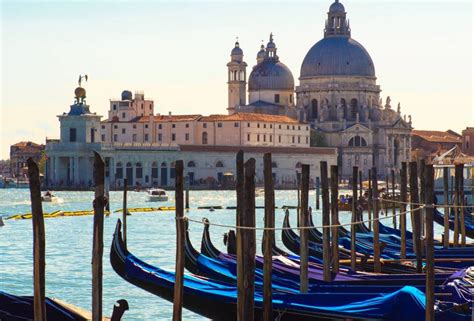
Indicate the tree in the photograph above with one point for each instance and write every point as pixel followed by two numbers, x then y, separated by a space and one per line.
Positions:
pixel 42 162
pixel 317 139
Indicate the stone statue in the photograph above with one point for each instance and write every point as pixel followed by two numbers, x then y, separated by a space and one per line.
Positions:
pixel 399 109
pixel 387 102
pixel 409 119
pixel 380 102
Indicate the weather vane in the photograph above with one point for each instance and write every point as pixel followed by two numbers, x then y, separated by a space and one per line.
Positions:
pixel 80 79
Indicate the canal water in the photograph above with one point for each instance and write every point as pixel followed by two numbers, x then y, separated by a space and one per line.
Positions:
pixel 151 237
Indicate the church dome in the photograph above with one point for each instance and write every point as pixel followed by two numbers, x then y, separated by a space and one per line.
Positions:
pixel 337 56
pixel 237 51
pixel 127 95
pixel 337 7
pixel 271 74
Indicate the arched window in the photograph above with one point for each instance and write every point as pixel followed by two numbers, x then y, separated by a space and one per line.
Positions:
pixel 357 141
pixel 274 165
pixel 242 75
pixel 204 138
pixel 344 107
pixel 163 164
pixel 219 164
pixel 172 170
pixel 298 165
pixel 119 170
pixel 191 164
pixel 154 170
pixel 138 170
pixel 354 108
pixel 314 109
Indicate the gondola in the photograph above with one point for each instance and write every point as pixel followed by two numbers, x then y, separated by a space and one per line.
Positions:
pixel 468 222
pixel 217 300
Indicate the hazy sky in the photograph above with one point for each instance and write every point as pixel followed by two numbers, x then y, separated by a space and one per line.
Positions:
pixel 177 53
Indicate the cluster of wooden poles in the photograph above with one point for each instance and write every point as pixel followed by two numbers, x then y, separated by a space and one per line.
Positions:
pixel 421 210
pixel 39 249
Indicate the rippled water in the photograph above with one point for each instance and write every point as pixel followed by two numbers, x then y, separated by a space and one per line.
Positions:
pixel 151 237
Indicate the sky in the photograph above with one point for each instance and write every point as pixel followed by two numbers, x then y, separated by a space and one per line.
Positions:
pixel 176 52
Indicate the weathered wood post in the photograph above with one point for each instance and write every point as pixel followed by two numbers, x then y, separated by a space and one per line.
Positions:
pixel 124 211
pixel 239 188
pixel 334 218
pixel 98 239
pixel 403 209
pixel 456 204
pixel 355 171
pixel 446 206
pixel 187 182
pixel 386 203
pixel 180 238
pixel 416 216
pixel 298 196
pixel 39 300
pixel 318 192
pixel 248 242
pixel 369 199
pixel 422 198
pixel 430 280
pixel 462 222
pixel 326 222
pixel 361 188
pixel 392 173
pixel 304 222
pixel 268 237
pixel 375 195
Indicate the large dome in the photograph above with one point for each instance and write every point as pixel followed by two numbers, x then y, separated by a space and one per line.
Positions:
pixel 271 74
pixel 337 56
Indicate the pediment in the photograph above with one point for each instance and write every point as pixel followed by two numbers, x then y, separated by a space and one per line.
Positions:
pixel 357 128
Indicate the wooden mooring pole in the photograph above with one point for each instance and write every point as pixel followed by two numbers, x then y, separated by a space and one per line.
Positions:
pixel 180 238
pixel 334 218
pixel 355 171
pixel 326 222
pixel 39 301
pixel 462 222
pixel 239 188
pixel 429 252
pixel 377 266
pixel 456 204
pixel 248 242
pixel 369 199
pixel 403 209
pixel 187 182
pixel 416 215
pixel 361 189
pixel 446 206
pixel 268 237
pixel 421 173
pixel 304 222
pixel 124 211
pixel 98 239
pixel 392 174
pixel 318 192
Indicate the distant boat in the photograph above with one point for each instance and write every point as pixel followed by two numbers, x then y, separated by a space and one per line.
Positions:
pixel 49 197
pixel 156 195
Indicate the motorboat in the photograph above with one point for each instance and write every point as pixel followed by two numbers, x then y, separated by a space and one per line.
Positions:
pixel 49 197
pixel 157 195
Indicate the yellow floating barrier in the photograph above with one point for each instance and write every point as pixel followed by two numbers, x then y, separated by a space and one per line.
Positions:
pixel 28 216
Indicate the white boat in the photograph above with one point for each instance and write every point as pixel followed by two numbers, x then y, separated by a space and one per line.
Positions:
pixel 49 197
pixel 157 195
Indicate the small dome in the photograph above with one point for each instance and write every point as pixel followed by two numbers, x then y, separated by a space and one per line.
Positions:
pixel 126 95
pixel 337 7
pixel 271 74
pixel 337 56
pixel 237 51
pixel 261 54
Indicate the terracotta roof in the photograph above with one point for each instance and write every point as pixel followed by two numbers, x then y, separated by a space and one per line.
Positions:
pixel 436 136
pixel 251 117
pixel 24 144
pixel 165 118
pixel 259 149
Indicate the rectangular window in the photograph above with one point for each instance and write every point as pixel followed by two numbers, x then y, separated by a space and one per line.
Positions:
pixel 236 124
pixel 291 99
pixel 160 137
pixel 299 127
pixel 271 126
pixel 72 134
pixel 187 125
pixel 160 126
pixel 293 139
pixel 123 115
pixel 271 138
pixel 248 124
pixel 219 125
pixel 248 137
pixel 258 137
pixel 123 130
pixel 299 141
pixel 103 126
pixel 115 107
pixel 186 136
pixel 173 137
pixel 287 126
pixel 146 137
pixel 146 126
pixel 92 135
pixel 306 140
pixel 115 137
pixel 279 126
pixel 264 138
pixel 279 138
pixel 103 137
pixel 264 125
pixel 115 126
pixel 142 105
pixel 173 126
pixel 204 125
pixel 293 127
pixel 134 126
pixel 277 98
pixel 134 137
pixel 139 172
pixel 258 125
pixel 307 128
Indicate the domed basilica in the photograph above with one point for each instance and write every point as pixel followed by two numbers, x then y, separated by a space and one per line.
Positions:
pixel 337 94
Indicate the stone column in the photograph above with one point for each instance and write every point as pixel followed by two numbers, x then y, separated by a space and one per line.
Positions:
pixel 76 170
pixel 112 172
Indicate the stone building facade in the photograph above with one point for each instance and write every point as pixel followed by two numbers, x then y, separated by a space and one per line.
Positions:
pixel 19 153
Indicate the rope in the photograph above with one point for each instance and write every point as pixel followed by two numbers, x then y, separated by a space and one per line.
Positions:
pixel 290 228
pixel 385 200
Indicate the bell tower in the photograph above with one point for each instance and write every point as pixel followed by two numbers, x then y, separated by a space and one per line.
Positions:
pixel 237 79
